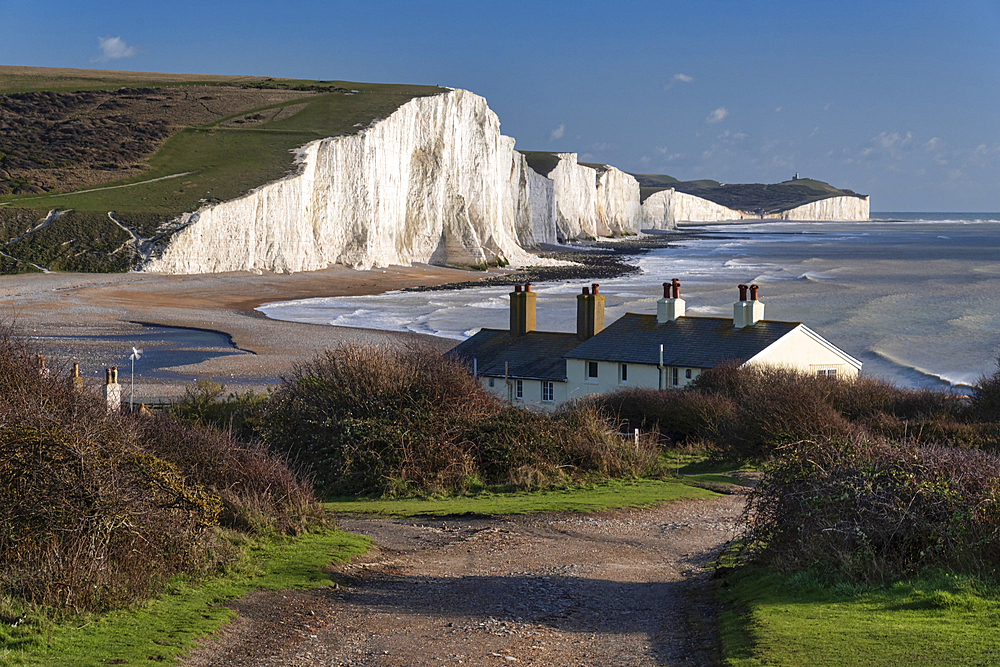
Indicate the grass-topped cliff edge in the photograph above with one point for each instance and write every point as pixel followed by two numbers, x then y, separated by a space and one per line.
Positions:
pixel 150 147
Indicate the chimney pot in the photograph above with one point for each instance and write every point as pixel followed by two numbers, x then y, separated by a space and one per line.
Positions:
pixel 753 292
pixel 743 292
pixel 586 291
pixel 677 288
pixel 594 287
pixel 517 289
pixel 527 287
pixel 666 290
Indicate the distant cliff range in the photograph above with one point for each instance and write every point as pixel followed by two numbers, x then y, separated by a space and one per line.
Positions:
pixel 436 182
pixel 428 177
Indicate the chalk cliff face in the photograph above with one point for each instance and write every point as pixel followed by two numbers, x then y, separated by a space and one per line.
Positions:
pixel 618 209
pixel 664 209
pixel 834 208
pixel 535 195
pixel 592 202
pixel 575 189
pixel 434 182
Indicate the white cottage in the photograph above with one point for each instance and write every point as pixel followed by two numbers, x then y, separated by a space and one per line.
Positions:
pixel 667 350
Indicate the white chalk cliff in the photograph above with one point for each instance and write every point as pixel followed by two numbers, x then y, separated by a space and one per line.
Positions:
pixel 666 208
pixel 834 208
pixel 434 182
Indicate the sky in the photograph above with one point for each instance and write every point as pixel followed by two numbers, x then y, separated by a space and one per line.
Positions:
pixel 896 100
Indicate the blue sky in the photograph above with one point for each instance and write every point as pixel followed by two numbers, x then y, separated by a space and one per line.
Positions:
pixel 898 100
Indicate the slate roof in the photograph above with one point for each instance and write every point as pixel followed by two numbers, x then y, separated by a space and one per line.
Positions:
pixel 695 342
pixel 537 355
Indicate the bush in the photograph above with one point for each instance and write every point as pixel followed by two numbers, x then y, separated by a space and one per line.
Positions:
pixel 99 509
pixel 679 417
pixel 402 421
pixel 771 407
pixel 205 405
pixel 874 510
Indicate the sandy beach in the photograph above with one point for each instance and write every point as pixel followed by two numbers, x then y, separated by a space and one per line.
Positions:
pixel 90 318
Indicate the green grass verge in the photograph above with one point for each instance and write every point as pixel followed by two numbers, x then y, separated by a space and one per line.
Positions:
pixel 778 620
pixel 169 625
pixel 609 495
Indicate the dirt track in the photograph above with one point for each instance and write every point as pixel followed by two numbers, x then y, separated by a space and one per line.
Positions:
pixel 612 588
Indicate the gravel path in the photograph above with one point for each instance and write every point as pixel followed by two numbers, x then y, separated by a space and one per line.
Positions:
pixel 612 588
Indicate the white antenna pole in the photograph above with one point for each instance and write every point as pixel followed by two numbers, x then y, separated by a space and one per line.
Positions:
pixel 659 368
pixel 131 397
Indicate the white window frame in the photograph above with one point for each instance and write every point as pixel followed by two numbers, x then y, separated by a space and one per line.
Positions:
pixel 675 376
pixel 623 374
pixel 548 392
pixel 518 389
pixel 592 365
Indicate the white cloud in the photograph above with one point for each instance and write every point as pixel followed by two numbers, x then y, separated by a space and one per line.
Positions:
pixel 934 144
pixel 677 78
pixel 558 132
pixel 778 109
pixel 717 116
pixel 113 48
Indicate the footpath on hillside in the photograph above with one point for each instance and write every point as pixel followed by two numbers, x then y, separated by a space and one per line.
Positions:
pixel 627 587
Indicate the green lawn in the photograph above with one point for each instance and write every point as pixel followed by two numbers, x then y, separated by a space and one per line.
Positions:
pixel 609 495
pixel 775 620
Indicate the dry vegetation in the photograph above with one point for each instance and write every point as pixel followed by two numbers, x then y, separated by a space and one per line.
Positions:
pixel 64 141
pixel 99 509
pixel 367 419
pixel 861 479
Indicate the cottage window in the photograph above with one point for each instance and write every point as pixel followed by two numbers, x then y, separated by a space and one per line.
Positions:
pixel 687 373
pixel 827 372
pixel 624 373
pixel 591 370
pixel 518 389
pixel 491 382
pixel 547 393
pixel 675 376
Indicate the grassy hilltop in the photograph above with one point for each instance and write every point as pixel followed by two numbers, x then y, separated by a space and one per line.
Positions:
pixel 149 147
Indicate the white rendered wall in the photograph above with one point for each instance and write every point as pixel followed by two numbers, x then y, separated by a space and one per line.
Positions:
pixel 800 351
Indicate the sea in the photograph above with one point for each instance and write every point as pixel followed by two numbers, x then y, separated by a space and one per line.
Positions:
pixel 914 296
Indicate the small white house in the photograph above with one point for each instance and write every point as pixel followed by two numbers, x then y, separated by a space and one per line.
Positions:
pixel 667 350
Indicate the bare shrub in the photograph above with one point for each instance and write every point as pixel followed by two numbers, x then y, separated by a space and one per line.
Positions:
pixel 98 509
pixel 680 417
pixel 772 407
pixel 875 510
pixel 407 420
pixel 259 492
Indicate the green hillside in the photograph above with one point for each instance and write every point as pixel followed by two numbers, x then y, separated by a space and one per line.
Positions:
pixel 150 147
